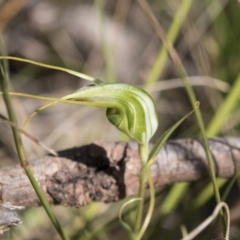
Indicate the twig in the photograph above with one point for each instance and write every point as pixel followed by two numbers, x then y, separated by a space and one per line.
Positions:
pixel 210 219
pixel 32 138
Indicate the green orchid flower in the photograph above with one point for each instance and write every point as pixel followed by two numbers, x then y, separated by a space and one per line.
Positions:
pixel 129 108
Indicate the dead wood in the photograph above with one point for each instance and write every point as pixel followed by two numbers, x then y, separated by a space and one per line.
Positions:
pixel 109 171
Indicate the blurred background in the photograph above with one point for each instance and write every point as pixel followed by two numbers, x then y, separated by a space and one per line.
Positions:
pixel 113 40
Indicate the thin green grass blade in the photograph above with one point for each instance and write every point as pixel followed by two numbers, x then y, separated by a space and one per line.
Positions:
pixel 173 198
pixel 162 140
pixel 207 193
pixel 29 136
pixel 54 101
pixel 171 201
pixel 125 225
pixel 37 111
pixel 229 186
pixel 72 72
pixel 225 109
pixel 17 94
pixel 183 230
pixel 173 32
pixel 108 57
pixel 203 132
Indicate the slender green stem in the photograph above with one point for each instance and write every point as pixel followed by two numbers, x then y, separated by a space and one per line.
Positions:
pixel 150 209
pixel 200 121
pixel 182 72
pixel 213 128
pixel 12 117
pixel 45 203
pixel 143 152
pixel 114 220
pixel 22 154
pixel 140 205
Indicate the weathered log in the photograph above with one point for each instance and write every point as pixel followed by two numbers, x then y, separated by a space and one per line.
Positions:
pixel 109 171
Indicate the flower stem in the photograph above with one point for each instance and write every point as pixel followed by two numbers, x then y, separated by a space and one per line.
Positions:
pixel 143 152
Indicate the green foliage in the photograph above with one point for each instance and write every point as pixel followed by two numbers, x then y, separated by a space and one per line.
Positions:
pixel 206 37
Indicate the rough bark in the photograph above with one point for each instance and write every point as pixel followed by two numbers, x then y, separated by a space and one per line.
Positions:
pixel 109 171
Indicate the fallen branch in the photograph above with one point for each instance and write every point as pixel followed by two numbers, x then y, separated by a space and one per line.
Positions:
pixel 108 172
